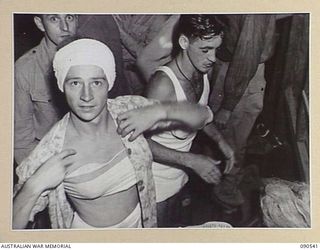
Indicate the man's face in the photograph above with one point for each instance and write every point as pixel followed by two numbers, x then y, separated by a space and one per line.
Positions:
pixel 57 27
pixel 86 90
pixel 202 52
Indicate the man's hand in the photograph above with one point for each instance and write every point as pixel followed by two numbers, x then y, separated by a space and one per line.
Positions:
pixel 225 148
pixel 52 172
pixel 222 117
pixel 229 155
pixel 205 167
pixel 139 120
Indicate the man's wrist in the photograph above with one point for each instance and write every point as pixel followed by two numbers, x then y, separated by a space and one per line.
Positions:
pixel 188 159
pixel 183 159
pixel 32 187
pixel 162 111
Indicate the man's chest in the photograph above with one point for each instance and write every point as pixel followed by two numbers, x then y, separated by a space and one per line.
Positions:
pixel 193 90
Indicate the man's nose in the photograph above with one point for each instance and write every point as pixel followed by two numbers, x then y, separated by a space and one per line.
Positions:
pixel 64 25
pixel 86 94
pixel 212 56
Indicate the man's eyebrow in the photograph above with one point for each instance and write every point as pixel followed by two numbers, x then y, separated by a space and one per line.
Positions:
pixel 79 78
pixel 99 78
pixel 72 78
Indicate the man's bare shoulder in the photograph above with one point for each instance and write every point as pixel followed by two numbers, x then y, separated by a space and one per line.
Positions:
pixel 161 87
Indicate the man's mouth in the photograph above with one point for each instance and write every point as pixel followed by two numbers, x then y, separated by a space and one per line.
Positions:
pixel 65 35
pixel 87 107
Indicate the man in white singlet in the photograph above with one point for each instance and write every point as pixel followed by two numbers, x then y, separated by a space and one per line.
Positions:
pixel 185 78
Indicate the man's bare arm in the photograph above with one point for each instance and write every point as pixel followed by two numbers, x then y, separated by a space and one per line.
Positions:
pixel 165 115
pixel 204 166
pixel 213 133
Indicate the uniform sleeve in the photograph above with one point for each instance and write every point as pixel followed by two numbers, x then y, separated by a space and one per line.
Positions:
pixel 246 58
pixel 24 130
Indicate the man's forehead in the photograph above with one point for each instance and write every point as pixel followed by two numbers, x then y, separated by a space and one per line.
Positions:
pixel 207 39
pixel 211 36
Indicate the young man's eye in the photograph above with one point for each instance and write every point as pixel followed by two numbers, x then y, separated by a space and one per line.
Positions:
pixel 53 19
pixel 75 83
pixel 70 17
pixel 205 51
pixel 97 83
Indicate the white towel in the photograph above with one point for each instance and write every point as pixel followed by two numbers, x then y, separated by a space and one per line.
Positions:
pixel 84 52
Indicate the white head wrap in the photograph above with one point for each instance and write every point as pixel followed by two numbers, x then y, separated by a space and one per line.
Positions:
pixel 84 52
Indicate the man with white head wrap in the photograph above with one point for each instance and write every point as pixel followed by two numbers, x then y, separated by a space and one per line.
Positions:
pixel 84 157
pixel 38 103
pixel 94 65
pixel 84 52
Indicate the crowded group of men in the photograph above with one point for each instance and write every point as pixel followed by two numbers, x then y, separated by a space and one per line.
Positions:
pixel 213 60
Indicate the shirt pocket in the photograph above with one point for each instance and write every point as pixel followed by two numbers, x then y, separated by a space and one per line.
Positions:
pixel 257 87
pixel 40 97
pixel 43 102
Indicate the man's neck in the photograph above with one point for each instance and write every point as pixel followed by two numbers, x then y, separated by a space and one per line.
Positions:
pixel 51 47
pixel 187 67
pixel 95 128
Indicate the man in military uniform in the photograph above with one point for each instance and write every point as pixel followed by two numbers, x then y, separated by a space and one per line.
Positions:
pixel 37 104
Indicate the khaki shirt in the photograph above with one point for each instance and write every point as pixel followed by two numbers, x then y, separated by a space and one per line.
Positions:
pixel 248 41
pixel 38 104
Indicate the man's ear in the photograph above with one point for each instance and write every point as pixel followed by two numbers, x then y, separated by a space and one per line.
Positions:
pixel 183 42
pixel 38 21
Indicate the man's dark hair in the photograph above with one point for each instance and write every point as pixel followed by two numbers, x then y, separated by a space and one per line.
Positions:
pixel 200 26
pixel 196 26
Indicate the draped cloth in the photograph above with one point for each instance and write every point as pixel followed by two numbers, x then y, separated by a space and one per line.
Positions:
pixel 285 204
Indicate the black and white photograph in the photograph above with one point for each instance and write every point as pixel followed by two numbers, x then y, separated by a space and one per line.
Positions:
pixel 190 120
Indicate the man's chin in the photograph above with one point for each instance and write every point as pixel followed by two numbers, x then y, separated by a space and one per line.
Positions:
pixel 206 70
